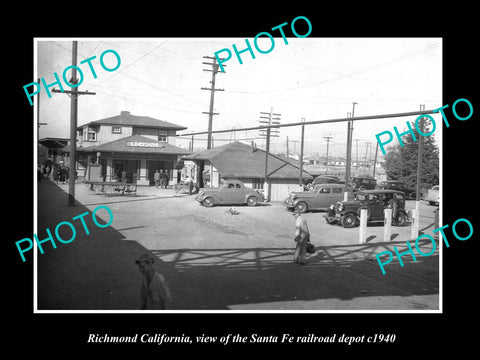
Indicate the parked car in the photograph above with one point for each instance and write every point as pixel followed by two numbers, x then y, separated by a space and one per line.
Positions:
pixel 410 193
pixel 326 179
pixel 231 192
pixel 347 213
pixel 320 198
pixel 362 183
pixel 433 195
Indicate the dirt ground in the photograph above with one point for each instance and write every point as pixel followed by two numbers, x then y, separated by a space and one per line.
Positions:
pixel 213 260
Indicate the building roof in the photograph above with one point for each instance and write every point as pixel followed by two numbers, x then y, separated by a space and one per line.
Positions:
pixel 54 143
pixel 127 119
pixel 136 144
pixel 240 160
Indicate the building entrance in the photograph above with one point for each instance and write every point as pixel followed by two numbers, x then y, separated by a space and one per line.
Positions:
pixel 159 165
pixel 125 170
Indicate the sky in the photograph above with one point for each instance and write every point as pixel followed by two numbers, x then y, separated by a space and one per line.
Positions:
pixel 310 78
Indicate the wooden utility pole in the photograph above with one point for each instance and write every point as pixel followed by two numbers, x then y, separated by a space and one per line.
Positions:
pixel 74 93
pixel 349 145
pixel 300 181
pixel 375 161
pixel 419 158
pixel 328 138
pixel 269 121
pixel 367 143
pixel 212 89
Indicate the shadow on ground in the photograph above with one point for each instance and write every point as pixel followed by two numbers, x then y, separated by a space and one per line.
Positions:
pixel 228 278
pixel 97 271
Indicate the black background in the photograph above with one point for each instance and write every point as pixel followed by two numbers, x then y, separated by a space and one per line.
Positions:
pixel 60 335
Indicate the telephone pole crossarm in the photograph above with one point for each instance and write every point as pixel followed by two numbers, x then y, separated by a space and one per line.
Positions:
pixel 212 90
pixel 74 93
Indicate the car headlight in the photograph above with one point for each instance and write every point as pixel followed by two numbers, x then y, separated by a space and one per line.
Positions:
pixel 340 207
pixel 332 206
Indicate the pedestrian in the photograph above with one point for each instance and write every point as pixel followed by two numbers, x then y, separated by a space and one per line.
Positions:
pixel 166 177
pixel 61 173
pixel 189 183
pixel 302 237
pixel 154 292
pixel 156 178
pixel 162 178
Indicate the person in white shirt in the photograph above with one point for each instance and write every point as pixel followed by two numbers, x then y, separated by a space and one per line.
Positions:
pixel 302 236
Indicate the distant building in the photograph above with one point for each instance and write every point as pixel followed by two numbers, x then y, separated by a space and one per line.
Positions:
pixel 57 149
pixel 127 148
pixel 246 163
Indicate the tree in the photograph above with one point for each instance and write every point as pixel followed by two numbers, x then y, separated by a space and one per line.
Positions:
pixel 401 161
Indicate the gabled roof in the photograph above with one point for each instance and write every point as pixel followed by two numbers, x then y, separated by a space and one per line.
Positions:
pixel 127 119
pixel 136 144
pixel 241 160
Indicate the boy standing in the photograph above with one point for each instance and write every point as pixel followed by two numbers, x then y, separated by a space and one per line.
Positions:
pixel 155 292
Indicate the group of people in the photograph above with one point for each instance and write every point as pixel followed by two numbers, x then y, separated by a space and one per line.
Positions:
pixel 161 178
pixel 56 172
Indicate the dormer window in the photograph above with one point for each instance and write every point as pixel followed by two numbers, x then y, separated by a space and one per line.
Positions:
pixel 90 134
pixel 116 129
pixel 162 136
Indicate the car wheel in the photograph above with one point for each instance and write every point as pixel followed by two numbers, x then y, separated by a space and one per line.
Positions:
pixel 401 219
pixel 208 202
pixel 348 220
pixel 252 201
pixel 301 207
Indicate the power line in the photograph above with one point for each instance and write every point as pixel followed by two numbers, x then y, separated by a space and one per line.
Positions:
pixel 327 121
pixel 126 67
pixel 357 72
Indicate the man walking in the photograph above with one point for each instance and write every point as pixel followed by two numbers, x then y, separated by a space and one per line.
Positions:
pixel 302 236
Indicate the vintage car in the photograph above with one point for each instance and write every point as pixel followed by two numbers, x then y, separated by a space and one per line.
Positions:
pixel 231 192
pixel 362 183
pixel 347 213
pixel 397 185
pixel 326 179
pixel 433 195
pixel 320 198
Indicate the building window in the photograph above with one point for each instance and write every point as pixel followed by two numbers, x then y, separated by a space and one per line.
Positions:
pixel 91 135
pixel 162 136
pixel 116 129
pixel 257 184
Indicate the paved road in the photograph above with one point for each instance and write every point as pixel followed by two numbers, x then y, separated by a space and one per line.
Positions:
pixel 217 261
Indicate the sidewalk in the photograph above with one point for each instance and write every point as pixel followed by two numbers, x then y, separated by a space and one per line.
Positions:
pixel 93 272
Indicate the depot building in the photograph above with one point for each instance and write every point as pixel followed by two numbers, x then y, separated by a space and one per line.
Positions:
pixel 127 148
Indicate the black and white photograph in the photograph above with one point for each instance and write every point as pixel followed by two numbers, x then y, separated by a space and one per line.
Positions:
pixel 218 173
pixel 235 181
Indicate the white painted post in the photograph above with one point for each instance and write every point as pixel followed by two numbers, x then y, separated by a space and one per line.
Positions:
pixel 414 233
pixel 387 226
pixel 108 176
pixel 363 226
